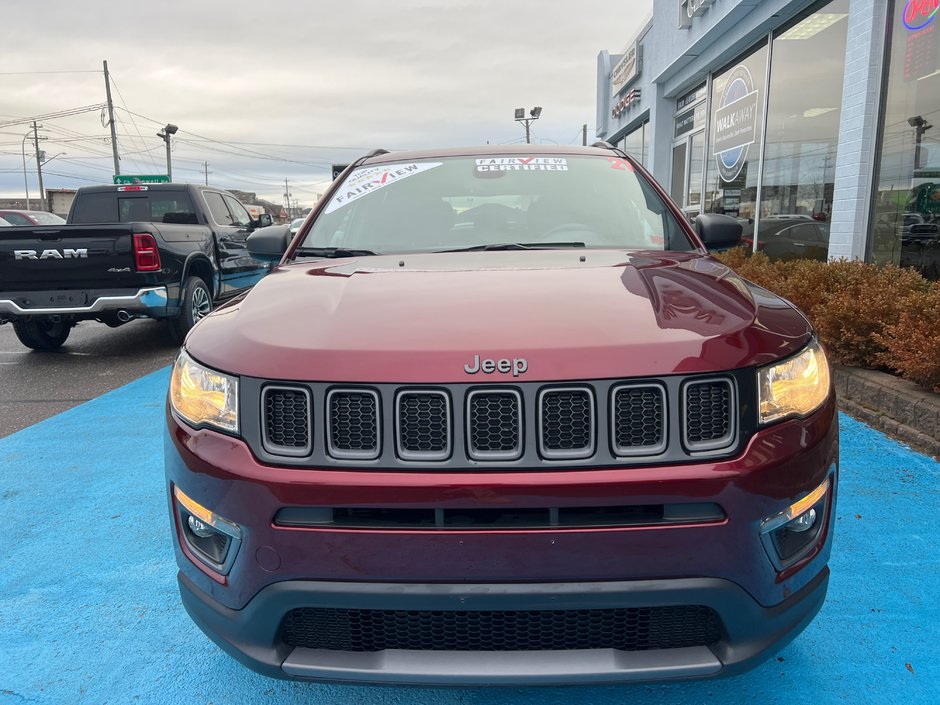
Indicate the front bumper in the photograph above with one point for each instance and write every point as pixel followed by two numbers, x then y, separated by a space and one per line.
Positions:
pixel 150 301
pixel 722 564
pixel 751 632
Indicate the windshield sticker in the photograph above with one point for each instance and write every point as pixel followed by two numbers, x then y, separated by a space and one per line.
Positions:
pixel 365 181
pixel 522 164
pixel 619 164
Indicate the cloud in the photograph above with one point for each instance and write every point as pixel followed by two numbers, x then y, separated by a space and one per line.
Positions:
pixel 403 74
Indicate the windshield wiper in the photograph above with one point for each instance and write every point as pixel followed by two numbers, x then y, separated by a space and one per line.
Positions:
pixel 517 246
pixel 331 252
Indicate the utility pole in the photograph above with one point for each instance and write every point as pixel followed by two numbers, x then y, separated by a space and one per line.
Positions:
pixel 287 197
pixel 42 191
pixel 29 206
pixel 114 147
pixel 205 166
pixel 584 134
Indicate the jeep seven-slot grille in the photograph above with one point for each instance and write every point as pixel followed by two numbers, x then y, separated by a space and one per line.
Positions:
pixel 708 414
pixel 353 424
pixel 494 424
pixel 286 420
pixel 625 629
pixel 639 420
pixel 596 423
pixel 567 423
pixel 423 425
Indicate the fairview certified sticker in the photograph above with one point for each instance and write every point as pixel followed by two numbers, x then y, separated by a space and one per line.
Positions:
pixel 364 181
pixel 522 164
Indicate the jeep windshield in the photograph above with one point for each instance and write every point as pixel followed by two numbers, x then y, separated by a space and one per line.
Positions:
pixel 494 203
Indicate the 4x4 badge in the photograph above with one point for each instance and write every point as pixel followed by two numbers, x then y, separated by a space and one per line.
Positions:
pixel 517 366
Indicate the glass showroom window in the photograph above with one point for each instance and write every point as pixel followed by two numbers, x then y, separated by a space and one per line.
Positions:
pixel 635 143
pixel 906 212
pixel 733 156
pixel 803 118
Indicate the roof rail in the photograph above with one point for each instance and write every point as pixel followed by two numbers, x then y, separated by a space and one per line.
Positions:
pixel 601 144
pixel 375 153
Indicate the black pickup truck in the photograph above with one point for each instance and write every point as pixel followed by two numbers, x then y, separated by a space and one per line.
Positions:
pixel 168 251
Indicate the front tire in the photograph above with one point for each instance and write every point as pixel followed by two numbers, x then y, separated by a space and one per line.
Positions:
pixel 42 335
pixel 195 304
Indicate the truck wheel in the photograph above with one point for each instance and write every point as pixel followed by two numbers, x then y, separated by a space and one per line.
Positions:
pixel 195 304
pixel 42 335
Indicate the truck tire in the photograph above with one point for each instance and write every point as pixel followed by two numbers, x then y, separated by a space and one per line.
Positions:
pixel 42 335
pixel 195 304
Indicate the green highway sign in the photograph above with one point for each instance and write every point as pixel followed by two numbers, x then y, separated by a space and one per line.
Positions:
pixel 142 179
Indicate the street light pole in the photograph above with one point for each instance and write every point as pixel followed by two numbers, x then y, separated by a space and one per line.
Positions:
pixel 42 191
pixel 165 135
pixel 920 127
pixel 533 116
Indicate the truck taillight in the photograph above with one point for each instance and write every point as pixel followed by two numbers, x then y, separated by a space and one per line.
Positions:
pixel 146 255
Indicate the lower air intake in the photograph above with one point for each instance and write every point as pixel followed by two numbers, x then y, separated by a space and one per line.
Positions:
pixel 627 629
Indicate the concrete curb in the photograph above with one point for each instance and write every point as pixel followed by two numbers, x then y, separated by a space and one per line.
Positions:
pixel 895 406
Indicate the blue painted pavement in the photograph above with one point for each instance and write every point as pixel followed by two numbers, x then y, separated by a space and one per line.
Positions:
pixel 89 611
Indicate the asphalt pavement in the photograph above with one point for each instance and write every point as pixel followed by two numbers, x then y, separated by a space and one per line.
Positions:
pixel 95 359
pixel 89 609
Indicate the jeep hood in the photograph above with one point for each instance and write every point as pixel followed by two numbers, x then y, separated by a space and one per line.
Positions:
pixel 588 314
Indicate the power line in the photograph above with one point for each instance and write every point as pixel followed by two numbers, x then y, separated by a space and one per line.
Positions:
pixel 133 122
pixel 253 144
pixel 37 73
pixel 49 116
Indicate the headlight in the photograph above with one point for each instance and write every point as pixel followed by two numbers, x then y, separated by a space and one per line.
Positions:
pixel 795 387
pixel 202 396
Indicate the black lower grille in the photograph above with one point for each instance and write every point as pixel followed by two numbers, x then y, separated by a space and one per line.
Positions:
pixel 627 629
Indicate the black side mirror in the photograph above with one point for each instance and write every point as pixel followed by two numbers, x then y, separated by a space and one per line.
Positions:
pixel 718 232
pixel 269 243
pixel 263 221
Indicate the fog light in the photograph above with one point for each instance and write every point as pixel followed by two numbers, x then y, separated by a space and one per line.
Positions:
pixel 198 528
pixel 791 534
pixel 804 522
pixel 210 538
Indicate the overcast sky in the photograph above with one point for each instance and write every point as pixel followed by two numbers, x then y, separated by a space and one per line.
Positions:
pixel 315 76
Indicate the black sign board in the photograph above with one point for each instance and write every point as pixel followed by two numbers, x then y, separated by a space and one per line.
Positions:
pixel 338 169
pixel 690 97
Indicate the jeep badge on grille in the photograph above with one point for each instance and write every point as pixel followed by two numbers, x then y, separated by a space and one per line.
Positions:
pixel 517 366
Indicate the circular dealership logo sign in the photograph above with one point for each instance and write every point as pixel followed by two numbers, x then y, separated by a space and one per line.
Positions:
pixel 735 123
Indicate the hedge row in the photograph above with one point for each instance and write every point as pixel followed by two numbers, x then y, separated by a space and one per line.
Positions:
pixel 867 315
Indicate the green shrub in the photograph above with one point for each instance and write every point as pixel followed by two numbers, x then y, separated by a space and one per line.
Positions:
pixel 867 315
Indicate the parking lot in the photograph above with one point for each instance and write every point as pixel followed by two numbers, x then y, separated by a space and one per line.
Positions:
pixel 89 610
pixel 34 386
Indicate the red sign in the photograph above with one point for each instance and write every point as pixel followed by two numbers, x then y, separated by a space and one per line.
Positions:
pixel 920 13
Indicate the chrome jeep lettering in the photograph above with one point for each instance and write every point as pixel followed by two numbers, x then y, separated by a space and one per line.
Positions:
pixel 516 365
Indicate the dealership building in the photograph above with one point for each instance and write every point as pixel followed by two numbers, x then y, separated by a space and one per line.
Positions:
pixel 811 122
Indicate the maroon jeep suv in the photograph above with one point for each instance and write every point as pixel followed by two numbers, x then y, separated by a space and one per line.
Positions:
pixel 498 418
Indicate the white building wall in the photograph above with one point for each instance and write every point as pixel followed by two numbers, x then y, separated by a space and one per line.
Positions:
pixel 855 160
